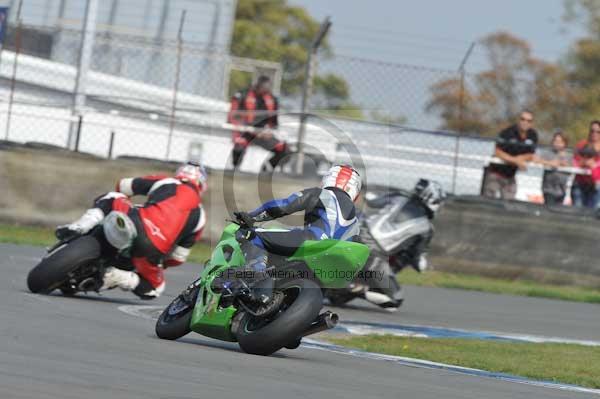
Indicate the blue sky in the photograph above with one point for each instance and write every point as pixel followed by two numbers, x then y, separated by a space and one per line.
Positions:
pixel 437 33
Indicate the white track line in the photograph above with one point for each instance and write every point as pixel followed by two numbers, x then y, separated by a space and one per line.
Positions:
pixel 138 310
pixel 357 328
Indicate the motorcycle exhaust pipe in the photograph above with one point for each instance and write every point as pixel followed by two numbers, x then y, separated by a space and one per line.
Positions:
pixel 325 321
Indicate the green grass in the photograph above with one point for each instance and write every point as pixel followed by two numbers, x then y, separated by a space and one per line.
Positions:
pixel 43 236
pixel 499 286
pixel 566 363
pixel 15 234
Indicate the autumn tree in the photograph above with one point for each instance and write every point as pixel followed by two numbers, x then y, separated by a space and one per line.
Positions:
pixel 490 100
pixel 583 62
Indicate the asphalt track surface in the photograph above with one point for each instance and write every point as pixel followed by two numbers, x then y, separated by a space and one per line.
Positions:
pixel 84 347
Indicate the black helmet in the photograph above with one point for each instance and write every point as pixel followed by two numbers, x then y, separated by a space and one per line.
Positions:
pixel 431 193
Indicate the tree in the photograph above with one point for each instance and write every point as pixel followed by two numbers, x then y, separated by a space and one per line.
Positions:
pixel 275 31
pixel 586 12
pixel 583 62
pixel 457 106
pixel 491 99
pixel 331 95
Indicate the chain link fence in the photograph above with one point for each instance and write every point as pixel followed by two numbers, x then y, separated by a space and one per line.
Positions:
pixel 163 99
pixel 440 124
pixel 168 99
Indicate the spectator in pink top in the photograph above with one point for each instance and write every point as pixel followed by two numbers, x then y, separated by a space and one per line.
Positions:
pixel 587 156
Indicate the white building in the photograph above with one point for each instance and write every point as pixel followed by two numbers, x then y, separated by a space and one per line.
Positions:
pixel 137 38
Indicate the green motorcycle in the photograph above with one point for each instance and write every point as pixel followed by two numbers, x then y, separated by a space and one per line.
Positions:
pixel 292 312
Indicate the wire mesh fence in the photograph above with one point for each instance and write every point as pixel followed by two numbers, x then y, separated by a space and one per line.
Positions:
pixel 168 99
pixel 441 124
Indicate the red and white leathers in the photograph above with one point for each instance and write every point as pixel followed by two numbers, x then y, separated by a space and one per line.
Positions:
pixel 168 225
pixel 258 110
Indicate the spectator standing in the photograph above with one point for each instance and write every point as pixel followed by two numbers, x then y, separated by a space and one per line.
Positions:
pixel 554 183
pixel 515 146
pixel 256 107
pixel 586 156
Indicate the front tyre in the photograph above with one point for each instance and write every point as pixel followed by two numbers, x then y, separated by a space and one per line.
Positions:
pixel 54 269
pixel 174 321
pixel 301 306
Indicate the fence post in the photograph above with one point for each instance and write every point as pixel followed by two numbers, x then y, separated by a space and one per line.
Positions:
pixel 207 70
pixel 461 106
pixel 14 71
pixel 307 88
pixel 78 134
pixel 111 144
pixel 85 57
pixel 176 87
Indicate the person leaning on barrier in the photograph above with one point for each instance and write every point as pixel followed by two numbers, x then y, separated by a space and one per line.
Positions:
pixel 515 146
pixel 554 183
pixel 256 107
pixel 586 156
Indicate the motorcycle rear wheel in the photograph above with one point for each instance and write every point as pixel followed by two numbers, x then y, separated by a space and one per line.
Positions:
pixel 53 271
pixel 301 307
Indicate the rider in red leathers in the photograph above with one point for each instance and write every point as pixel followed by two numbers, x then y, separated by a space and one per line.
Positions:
pixel 157 235
pixel 257 107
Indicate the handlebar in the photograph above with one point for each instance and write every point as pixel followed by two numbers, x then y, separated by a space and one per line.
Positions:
pixel 243 220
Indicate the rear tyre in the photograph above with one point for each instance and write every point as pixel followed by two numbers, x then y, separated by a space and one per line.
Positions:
pixel 301 307
pixel 53 271
pixel 174 321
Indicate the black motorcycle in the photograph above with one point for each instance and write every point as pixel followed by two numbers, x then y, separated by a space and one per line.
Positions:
pixel 76 264
pixel 398 227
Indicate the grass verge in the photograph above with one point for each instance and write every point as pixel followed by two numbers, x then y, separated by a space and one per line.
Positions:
pixel 43 236
pixel 565 363
pixel 499 286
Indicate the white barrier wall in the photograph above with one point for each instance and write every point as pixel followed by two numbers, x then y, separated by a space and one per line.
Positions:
pixel 138 114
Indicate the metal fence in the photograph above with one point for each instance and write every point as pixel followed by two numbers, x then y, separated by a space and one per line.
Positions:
pixel 473 103
pixel 438 123
pixel 168 100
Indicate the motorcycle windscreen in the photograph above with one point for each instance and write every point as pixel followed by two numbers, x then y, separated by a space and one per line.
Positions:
pixel 398 222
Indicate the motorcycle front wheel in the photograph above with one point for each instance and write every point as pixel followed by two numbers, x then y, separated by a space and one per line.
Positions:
pixel 301 305
pixel 174 321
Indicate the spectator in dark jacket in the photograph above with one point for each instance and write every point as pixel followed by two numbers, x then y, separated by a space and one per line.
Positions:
pixel 554 184
pixel 515 146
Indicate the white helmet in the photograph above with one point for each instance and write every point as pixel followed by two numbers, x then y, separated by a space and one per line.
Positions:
pixel 344 177
pixel 194 173
pixel 431 193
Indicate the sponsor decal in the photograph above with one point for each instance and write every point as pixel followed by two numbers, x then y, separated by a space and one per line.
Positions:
pixel 154 230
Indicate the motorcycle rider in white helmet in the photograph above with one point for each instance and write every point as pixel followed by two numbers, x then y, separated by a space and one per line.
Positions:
pixel 329 213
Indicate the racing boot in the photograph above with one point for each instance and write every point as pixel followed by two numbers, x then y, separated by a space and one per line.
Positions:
pixel 130 281
pixel 91 218
pixel 387 303
pixel 117 278
pixel 420 263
